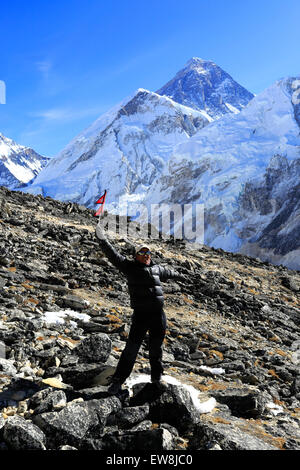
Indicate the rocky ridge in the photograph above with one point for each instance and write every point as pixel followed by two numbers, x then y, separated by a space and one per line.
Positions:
pixel 233 335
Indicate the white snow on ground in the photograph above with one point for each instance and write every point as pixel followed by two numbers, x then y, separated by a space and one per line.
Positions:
pixel 275 409
pixel 213 370
pixel 202 407
pixel 65 315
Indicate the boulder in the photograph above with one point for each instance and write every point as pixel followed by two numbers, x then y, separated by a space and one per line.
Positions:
pixel 130 416
pixel 168 403
pixel 21 434
pixel 229 435
pixel 152 440
pixel 54 401
pixel 76 421
pixel 94 348
pixel 78 376
pixel 7 367
pixel 243 401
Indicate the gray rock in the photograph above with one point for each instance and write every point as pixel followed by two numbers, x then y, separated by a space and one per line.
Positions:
pixel 7 367
pixel 72 301
pixel 54 401
pixel 228 436
pixel 154 440
pixel 142 426
pixel 94 348
pixel 18 389
pixel 2 422
pixel 98 391
pixel 168 403
pixel 38 398
pixel 77 421
pixel 243 401
pixel 78 376
pixel 130 416
pixel 290 283
pixel 21 434
pixel 295 388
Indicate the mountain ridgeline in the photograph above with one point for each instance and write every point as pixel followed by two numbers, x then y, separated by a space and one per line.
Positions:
pixel 201 138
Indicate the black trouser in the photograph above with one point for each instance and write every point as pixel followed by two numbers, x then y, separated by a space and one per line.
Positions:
pixel 144 320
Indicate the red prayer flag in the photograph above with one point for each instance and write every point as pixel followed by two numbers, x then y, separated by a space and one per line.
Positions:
pixel 101 201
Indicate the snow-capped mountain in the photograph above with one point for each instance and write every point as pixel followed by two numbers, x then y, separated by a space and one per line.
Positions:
pixel 18 164
pixel 125 150
pixel 241 163
pixel 204 86
pixel 245 169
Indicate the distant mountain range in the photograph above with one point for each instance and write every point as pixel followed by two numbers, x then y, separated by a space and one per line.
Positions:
pixel 18 164
pixel 129 147
pixel 201 138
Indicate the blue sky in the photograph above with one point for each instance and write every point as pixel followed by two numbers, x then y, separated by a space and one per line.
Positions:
pixel 66 62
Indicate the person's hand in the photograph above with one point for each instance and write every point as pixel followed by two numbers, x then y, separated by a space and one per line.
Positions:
pixel 183 277
pixel 184 271
pixel 99 232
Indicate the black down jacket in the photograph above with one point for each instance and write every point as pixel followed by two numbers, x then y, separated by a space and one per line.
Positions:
pixel 143 281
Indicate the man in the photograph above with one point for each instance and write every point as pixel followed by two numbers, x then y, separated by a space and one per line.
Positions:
pixel 146 298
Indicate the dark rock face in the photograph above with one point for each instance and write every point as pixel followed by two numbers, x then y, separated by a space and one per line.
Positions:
pixel 20 434
pixel 266 198
pixel 138 441
pixel 77 421
pixel 128 417
pixel 227 437
pixel 232 333
pixel 168 404
pixel 245 403
pixel 95 348
pixel 78 375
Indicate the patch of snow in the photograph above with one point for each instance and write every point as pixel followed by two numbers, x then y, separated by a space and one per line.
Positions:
pixel 233 109
pixel 213 370
pixel 275 409
pixel 202 407
pixel 63 315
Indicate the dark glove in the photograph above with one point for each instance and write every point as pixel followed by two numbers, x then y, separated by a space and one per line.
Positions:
pixel 182 277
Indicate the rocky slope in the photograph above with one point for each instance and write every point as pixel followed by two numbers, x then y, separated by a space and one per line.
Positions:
pixel 233 335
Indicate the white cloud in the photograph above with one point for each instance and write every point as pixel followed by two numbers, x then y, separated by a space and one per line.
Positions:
pixel 44 67
pixel 67 114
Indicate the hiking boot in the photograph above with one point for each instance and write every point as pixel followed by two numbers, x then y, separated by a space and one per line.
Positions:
pixel 115 387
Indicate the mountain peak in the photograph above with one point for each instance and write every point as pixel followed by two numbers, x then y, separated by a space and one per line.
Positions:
pixel 204 86
pixel 18 164
pixel 196 62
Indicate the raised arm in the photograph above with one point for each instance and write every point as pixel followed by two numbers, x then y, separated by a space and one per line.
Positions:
pixel 166 273
pixel 112 254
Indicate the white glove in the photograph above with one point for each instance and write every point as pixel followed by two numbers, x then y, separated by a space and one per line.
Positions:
pixel 99 232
